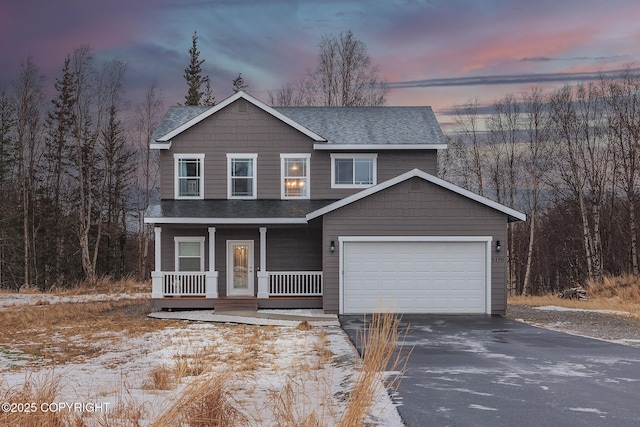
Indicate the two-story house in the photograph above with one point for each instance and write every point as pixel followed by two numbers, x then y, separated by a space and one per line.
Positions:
pixel 319 207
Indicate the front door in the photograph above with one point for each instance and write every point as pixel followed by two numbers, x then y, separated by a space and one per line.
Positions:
pixel 240 268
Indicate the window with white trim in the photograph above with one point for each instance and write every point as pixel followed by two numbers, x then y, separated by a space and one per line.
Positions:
pixel 294 176
pixel 189 253
pixel 241 176
pixel 189 176
pixel 353 170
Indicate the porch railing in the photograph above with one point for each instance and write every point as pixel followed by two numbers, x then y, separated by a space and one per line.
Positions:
pixel 295 283
pixel 183 283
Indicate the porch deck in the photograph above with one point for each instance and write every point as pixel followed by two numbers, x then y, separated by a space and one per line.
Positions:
pixel 202 303
pixel 198 290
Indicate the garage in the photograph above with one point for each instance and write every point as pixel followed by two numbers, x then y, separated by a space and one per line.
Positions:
pixel 415 274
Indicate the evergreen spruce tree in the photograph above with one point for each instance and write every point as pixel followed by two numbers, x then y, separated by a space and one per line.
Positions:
pixel 58 151
pixel 209 99
pixel 193 74
pixel 239 84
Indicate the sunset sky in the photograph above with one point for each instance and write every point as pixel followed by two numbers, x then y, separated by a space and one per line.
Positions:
pixel 432 52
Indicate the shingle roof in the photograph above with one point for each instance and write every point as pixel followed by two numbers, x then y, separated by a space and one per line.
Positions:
pixel 337 125
pixel 369 125
pixel 176 116
pixel 236 211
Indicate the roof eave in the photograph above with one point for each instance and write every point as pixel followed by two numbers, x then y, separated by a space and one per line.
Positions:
pixel 160 145
pixel 369 147
pixel 200 221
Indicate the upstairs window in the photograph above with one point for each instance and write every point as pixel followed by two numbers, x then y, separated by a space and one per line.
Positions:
pixel 189 176
pixel 294 170
pixel 241 173
pixel 353 170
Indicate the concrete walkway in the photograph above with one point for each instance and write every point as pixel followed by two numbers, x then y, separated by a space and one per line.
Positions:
pixel 248 317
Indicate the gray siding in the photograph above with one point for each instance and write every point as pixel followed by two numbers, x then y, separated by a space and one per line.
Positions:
pixel 295 249
pixel 257 132
pixel 414 207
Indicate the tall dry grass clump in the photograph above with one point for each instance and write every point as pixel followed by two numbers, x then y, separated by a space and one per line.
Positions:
pixel 37 390
pixel 617 293
pixel 625 288
pixel 203 403
pixel 378 342
pixel 292 407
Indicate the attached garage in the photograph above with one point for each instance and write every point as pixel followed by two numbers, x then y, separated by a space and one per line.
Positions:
pixel 416 244
pixel 411 274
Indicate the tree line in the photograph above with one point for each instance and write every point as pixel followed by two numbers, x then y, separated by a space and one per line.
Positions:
pixel 569 160
pixel 76 174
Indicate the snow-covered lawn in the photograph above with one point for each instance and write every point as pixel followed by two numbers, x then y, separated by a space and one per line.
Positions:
pixel 259 362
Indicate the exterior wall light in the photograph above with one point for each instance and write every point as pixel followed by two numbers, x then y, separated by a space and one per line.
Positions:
pixel 332 246
pixel 498 247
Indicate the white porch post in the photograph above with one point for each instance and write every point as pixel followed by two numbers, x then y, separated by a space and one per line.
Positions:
pixel 263 274
pixel 156 274
pixel 211 283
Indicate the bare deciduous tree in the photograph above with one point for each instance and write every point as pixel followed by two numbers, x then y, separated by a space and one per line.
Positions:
pixel 536 160
pixel 623 102
pixel 469 128
pixel 505 130
pixel 344 76
pixel 583 162
pixel 148 118
pixel 28 98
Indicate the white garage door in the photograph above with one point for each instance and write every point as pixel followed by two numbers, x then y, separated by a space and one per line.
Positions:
pixel 414 277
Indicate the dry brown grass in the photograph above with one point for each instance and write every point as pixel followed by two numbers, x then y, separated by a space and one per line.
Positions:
pixel 64 332
pixel 300 403
pixel 160 378
pixel 292 406
pixel 104 285
pixel 44 392
pixel 620 293
pixel 304 326
pixel 378 342
pixel 203 402
pixel 41 389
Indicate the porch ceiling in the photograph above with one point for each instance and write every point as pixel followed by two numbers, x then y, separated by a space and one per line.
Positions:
pixel 232 211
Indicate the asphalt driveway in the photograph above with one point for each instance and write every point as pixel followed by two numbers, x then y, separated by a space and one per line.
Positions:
pixel 493 371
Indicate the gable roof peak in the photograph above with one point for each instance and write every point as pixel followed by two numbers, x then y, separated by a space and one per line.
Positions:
pixel 512 214
pixel 165 137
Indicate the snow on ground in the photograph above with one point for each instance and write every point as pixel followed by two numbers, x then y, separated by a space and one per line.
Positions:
pixel 557 308
pixel 14 299
pixel 261 367
pixel 212 316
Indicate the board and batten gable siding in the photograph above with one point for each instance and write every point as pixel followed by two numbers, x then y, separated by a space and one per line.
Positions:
pixel 242 127
pixel 415 207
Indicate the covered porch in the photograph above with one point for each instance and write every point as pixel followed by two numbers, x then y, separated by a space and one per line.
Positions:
pixel 225 272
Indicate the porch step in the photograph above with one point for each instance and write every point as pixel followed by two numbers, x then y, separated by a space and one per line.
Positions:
pixel 235 304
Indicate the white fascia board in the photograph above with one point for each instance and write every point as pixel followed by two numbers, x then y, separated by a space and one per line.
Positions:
pixel 185 220
pixel 415 238
pixel 232 99
pixel 427 177
pixel 160 145
pixel 352 147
